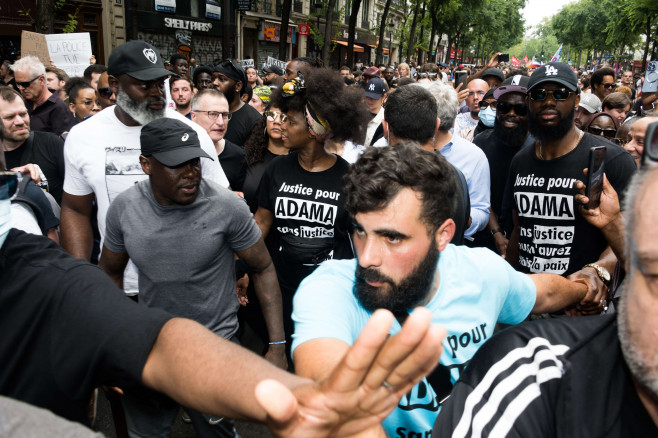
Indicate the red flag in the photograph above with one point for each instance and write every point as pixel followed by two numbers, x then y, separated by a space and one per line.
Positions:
pixel 525 59
pixel 515 61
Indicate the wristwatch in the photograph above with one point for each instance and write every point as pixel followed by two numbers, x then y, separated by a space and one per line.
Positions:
pixel 602 272
pixel 498 230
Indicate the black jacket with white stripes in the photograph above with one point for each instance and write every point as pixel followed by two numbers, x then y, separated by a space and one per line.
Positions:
pixel 551 378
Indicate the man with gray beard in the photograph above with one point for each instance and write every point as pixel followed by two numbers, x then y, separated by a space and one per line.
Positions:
pixel 584 377
pixel 101 155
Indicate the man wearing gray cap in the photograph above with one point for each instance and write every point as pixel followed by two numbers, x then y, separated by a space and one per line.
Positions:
pixel 101 155
pixel 182 232
pixel 549 234
pixel 589 105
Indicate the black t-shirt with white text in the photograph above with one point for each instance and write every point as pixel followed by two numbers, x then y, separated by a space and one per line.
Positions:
pixel 309 213
pixel 554 237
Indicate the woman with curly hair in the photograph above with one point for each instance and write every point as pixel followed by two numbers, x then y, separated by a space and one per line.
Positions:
pixel 300 194
pixel 263 145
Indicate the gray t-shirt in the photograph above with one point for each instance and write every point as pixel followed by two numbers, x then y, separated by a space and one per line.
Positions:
pixel 185 253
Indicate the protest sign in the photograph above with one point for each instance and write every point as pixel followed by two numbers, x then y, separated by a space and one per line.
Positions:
pixel 247 63
pixel 70 51
pixel 34 44
pixel 274 61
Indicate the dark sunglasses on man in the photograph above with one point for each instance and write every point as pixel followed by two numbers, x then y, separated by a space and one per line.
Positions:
pixel 105 92
pixel 613 86
pixel 650 152
pixel 520 109
pixel 607 133
pixel 28 83
pixel 9 184
pixel 538 94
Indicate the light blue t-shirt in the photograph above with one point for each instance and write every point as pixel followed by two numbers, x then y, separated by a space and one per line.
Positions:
pixel 477 288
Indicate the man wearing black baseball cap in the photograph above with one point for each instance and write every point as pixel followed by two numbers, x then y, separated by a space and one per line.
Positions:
pixel 549 234
pixel 231 79
pixel 182 232
pixel 500 144
pixel 101 154
pixel 272 73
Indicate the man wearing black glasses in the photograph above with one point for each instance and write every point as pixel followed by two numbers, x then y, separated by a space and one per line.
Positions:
pixel 500 144
pixel 603 82
pixel 231 79
pixel 549 235
pixel 47 112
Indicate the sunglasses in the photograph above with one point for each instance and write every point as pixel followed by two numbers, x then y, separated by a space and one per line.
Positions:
pixel 484 104
pixel 542 94
pixel 272 115
pixel 28 83
pixel 650 152
pixel 520 109
pixel 105 93
pixel 213 115
pixel 607 133
pixel 613 86
pixel 9 184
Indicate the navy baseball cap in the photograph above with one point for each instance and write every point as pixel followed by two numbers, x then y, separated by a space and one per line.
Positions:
pixel 375 88
pixel 171 142
pixel 139 60
pixel 554 72
pixel 273 69
pixel 494 72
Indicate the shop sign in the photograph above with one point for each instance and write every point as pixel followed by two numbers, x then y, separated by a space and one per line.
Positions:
pixel 177 23
pixel 244 5
pixel 165 6
pixel 271 32
pixel 304 30
pixel 213 10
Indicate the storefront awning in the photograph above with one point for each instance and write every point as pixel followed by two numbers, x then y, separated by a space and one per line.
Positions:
pixel 384 49
pixel 357 48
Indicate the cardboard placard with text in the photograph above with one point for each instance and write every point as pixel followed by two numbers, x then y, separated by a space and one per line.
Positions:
pixel 34 44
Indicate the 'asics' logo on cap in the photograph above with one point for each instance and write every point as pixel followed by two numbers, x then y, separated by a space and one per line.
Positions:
pixel 551 71
pixel 185 137
pixel 150 55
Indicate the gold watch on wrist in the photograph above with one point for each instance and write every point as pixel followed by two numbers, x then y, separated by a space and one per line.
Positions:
pixel 602 272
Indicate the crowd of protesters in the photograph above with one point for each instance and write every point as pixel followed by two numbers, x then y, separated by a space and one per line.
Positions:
pixel 156 213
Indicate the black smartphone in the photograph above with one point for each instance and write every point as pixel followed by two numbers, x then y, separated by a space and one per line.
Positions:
pixel 503 57
pixel 460 78
pixel 595 176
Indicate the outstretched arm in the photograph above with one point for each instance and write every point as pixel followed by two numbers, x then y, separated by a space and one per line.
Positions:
pixel 207 373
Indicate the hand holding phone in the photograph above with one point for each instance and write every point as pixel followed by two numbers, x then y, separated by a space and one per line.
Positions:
pixel 595 176
pixel 503 57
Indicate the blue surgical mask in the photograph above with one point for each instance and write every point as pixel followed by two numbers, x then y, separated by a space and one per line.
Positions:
pixel 5 220
pixel 487 116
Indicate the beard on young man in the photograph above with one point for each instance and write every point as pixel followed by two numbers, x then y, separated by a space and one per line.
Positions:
pixel 397 298
pixel 512 135
pixel 548 133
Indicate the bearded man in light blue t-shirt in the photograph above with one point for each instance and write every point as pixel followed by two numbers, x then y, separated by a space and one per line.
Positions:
pixel 401 200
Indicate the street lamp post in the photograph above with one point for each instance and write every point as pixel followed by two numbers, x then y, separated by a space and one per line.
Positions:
pixel 390 37
pixel 318 5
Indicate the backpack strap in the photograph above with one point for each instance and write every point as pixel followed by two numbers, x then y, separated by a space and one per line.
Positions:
pixel 22 198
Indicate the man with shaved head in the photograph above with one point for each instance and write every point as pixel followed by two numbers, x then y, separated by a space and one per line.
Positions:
pixel 477 88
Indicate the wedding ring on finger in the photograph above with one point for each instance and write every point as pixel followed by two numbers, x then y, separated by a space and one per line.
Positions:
pixel 387 386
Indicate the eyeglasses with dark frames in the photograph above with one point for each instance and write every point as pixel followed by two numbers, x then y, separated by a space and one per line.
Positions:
pixel 213 115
